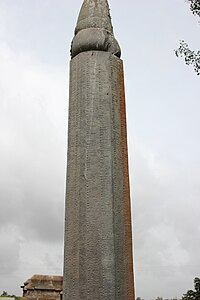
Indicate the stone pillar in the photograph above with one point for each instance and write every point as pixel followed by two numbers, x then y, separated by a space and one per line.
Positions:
pixel 98 240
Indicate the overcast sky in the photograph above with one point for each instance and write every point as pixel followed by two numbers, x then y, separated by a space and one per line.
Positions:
pixel 162 95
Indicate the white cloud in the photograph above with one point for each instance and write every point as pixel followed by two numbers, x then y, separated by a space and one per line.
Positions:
pixel 164 223
pixel 33 110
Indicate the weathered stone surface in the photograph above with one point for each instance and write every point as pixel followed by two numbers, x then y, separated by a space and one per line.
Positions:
pixel 94 29
pixel 98 241
pixel 94 39
pixel 94 14
pixel 43 287
pixel 98 251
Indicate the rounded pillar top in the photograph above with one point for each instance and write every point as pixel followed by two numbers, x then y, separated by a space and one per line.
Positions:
pixel 94 14
pixel 94 29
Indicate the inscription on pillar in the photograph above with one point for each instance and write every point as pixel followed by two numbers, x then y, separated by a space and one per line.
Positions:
pixel 98 253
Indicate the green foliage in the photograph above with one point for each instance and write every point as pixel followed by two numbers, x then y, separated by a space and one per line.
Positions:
pixel 195 6
pixel 193 295
pixel 6 295
pixel 191 57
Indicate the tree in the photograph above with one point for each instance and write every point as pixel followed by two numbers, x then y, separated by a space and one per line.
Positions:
pixel 193 295
pixel 191 57
pixel 4 294
pixel 195 6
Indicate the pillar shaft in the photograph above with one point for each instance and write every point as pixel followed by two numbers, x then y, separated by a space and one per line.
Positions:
pixel 98 239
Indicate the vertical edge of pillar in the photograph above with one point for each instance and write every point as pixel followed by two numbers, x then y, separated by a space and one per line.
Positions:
pixel 121 188
pixel 127 200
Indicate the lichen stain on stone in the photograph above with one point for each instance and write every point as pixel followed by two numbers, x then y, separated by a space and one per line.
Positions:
pixel 126 190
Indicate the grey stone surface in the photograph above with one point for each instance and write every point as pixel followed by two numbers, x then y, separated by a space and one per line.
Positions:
pixel 98 256
pixel 94 29
pixel 98 240
pixel 94 39
pixel 94 14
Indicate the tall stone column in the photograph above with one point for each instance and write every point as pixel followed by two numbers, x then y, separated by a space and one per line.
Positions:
pixel 98 240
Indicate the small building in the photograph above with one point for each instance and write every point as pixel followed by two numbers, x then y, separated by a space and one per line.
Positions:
pixel 43 287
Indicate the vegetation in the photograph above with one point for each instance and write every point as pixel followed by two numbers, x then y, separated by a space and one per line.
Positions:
pixel 6 295
pixel 193 295
pixel 191 57
pixel 190 295
pixel 195 7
